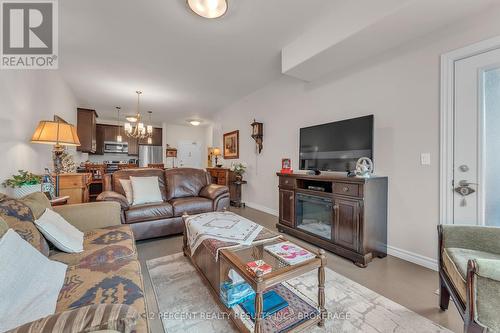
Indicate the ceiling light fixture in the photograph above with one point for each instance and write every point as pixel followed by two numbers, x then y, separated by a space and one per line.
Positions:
pixel 195 122
pixel 119 135
pixel 136 129
pixel 208 8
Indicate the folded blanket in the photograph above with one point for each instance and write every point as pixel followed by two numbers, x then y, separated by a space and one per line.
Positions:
pixel 225 227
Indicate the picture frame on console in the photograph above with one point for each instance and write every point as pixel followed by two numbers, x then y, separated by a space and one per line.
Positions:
pixel 231 142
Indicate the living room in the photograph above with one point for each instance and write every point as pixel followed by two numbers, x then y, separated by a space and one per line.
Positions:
pixel 241 88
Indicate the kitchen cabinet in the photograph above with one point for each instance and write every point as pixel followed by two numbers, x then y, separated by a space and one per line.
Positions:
pixel 105 133
pixel 156 139
pixel 133 146
pixel 100 131
pixel 111 132
pixel 87 130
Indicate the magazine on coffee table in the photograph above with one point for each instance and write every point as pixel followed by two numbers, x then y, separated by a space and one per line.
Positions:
pixel 289 252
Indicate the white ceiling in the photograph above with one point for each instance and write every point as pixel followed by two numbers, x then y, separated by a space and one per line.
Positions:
pixel 187 66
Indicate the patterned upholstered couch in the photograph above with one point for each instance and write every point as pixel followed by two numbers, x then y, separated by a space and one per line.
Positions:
pixel 103 281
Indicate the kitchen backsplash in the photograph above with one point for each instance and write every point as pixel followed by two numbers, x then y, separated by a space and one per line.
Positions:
pixel 110 157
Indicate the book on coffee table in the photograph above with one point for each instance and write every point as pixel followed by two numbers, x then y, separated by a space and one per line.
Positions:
pixel 259 265
pixel 272 303
pixel 289 252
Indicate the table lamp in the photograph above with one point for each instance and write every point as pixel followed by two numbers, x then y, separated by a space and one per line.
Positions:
pixel 58 133
pixel 216 153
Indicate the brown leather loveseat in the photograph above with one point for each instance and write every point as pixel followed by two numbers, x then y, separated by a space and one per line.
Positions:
pixel 184 190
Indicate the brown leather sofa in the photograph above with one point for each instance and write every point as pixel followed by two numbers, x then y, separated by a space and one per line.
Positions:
pixel 184 190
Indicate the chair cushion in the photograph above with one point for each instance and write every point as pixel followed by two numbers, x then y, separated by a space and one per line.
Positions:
pixel 455 263
pixel 185 182
pixel 117 283
pixel 101 247
pixel 20 218
pixel 191 205
pixel 148 212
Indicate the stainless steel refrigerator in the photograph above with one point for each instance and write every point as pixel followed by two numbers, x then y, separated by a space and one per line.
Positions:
pixel 150 155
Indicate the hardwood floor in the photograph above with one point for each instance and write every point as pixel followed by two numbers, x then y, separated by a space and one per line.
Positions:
pixel 408 284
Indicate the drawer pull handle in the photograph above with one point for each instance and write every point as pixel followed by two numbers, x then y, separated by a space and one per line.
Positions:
pixel 345 189
pixel 286 181
pixel 291 197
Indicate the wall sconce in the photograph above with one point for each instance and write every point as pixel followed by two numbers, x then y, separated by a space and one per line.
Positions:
pixel 257 134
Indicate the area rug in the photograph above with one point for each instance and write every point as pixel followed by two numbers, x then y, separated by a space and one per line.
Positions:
pixel 186 305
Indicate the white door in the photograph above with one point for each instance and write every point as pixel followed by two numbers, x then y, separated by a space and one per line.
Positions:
pixel 476 173
pixel 189 154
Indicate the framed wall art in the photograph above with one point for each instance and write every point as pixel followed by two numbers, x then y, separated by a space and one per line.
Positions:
pixel 232 145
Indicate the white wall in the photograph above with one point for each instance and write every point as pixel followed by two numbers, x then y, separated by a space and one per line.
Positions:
pixel 401 88
pixel 26 97
pixel 199 134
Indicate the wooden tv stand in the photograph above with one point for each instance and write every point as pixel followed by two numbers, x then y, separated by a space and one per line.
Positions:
pixel 353 213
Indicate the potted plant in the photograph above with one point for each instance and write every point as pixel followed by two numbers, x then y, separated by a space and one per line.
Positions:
pixel 23 184
pixel 239 169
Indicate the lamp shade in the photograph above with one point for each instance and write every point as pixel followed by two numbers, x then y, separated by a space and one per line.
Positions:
pixel 55 133
pixel 216 151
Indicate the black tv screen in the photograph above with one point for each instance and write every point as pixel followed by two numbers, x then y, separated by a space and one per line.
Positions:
pixel 336 146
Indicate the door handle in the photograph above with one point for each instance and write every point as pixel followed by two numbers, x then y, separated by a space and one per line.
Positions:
pixel 464 182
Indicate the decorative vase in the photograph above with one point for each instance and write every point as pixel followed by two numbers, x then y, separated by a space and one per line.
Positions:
pixel 239 177
pixel 19 192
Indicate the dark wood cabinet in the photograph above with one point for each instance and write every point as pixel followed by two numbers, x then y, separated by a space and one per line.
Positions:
pixel 345 215
pixel 286 207
pixel 86 129
pixel 100 134
pixel 156 139
pixel 110 132
pixel 133 146
pixel 346 222
pixel 106 132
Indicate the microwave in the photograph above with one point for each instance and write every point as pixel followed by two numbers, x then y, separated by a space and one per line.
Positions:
pixel 115 147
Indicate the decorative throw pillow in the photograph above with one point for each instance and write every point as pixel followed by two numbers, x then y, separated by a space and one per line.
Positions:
pixel 37 202
pixel 29 284
pixel 127 188
pixel 146 190
pixel 60 232
pixel 90 318
pixel 3 227
pixel 20 218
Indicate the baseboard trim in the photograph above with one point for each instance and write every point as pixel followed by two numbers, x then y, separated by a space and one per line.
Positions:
pixel 391 250
pixel 262 208
pixel 413 257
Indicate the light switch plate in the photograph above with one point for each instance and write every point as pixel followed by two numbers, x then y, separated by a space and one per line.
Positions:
pixel 425 159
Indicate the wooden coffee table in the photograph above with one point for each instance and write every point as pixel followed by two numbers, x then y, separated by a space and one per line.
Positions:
pixel 237 258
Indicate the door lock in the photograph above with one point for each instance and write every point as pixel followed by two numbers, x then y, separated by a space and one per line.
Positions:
pixel 464 190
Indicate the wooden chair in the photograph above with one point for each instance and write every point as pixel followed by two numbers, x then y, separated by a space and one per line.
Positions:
pixel 96 182
pixel 469 272
pixel 127 166
pixel 156 165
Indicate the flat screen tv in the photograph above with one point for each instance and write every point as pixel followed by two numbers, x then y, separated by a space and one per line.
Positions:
pixel 336 146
